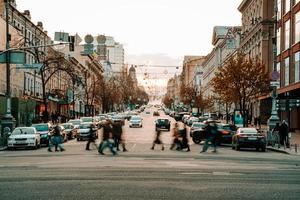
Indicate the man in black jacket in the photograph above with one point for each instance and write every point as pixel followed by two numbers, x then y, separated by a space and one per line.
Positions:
pixel 117 134
pixel 91 137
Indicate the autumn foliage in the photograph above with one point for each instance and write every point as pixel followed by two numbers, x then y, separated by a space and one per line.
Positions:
pixel 239 81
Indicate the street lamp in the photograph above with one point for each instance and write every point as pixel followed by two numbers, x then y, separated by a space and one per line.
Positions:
pixel 7 122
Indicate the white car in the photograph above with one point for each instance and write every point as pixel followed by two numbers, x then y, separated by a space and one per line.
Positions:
pixel 136 121
pixel 24 137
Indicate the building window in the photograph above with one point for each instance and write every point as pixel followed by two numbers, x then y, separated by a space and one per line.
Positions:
pixel 278 44
pixel 279 9
pixel 297 27
pixel 287 6
pixel 287 35
pixel 286 71
pixel 297 63
pixel 278 67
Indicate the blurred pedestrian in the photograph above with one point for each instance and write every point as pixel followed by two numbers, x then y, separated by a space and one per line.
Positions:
pixel 56 140
pixel 157 140
pixel 211 133
pixel 283 133
pixel 107 139
pixel 117 134
pixel 91 137
pixel 183 140
pixel 175 137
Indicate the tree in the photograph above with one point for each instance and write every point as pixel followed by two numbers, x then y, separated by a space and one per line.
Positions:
pixel 168 101
pixel 240 80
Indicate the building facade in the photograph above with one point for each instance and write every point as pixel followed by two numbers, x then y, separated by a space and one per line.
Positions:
pixel 226 41
pixel 288 57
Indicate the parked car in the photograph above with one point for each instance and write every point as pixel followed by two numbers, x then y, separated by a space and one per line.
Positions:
pixel 135 121
pixel 162 123
pixel 156 113
pixel 118 118
pixel 87 119
pixel 249 138
pixel 213 116
pixel 185 118
pixel 23 137
pixel 226 131
pixel 75 122
pixel 84 130
pixel 44 130
pixel 70 130
pixel 197 132
pixel 191 120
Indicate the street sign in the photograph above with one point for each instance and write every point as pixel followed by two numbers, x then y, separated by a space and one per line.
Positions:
pixel 16 57
pixel 36 66
pixel 88 49
pixel 287 104
pixel 275 75
pixel 275 84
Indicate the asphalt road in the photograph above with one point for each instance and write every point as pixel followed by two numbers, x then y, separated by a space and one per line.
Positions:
pixel 142 173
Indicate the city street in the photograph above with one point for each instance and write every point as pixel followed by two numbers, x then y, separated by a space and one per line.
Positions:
pixel 142 173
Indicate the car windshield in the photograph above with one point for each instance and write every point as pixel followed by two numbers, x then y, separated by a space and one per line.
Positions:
pixel 67 126
pixel 87 119
pixel 248 131
pixel 41 127
pixel 22 131
pixel 84 126
pixel 135 118
pixel 75 122
pixel 163 121
pixel 228 128
pixel 198 125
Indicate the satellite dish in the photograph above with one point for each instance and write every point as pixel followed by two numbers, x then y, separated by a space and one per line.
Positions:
pixel 101 39
pixel 88 39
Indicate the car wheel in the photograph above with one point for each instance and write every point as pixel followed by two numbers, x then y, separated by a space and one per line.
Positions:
pixel 196 140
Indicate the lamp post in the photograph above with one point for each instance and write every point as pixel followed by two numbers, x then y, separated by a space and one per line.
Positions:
pixel 7 124
pixel 275 76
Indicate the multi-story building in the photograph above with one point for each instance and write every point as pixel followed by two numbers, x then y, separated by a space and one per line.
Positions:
pixel 111 54
pixel 190 64
pixel 225 41
pixel 26 84
pixel 288 57
pixel 256 42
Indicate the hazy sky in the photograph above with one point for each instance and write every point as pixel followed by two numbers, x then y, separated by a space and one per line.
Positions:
pixel 152 31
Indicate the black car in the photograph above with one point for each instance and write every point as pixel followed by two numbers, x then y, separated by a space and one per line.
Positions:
pixel 162 123
pixel 248 138
pixel 197 132
pixel 226 132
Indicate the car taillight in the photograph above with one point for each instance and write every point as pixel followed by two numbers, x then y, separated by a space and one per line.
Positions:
pixel 225 132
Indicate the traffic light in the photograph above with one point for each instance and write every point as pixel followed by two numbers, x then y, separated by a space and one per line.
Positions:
pixel 71 43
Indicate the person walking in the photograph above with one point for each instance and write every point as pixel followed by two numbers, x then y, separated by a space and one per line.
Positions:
pixel 118 136
pixel 107 139
pixel 184 141
pixel 157 140
pixel 56 140
pixel 283 132
pixel 91 138
pixel 211 132
pixel 176 142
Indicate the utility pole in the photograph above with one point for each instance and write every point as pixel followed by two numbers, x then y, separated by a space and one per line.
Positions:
pixel 7 120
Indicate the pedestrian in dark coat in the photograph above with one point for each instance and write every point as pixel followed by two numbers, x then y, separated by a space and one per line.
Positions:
pixel 117 134
pixel 157 140
pixel 91 137
pixel 283 132
pixel 107 139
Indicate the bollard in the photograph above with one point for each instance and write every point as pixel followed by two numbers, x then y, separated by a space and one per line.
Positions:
pixel 296 150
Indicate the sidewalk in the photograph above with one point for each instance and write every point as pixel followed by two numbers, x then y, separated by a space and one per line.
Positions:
pixel 294 143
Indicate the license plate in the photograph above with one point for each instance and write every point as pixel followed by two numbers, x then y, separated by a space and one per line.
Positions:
pixel 163 127
pixel 252 138
pixel 20 142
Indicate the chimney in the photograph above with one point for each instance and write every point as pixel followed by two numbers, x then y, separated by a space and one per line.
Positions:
pixel 26 13
pixel 40 25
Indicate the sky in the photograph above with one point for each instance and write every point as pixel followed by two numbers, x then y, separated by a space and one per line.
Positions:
pixel 157 32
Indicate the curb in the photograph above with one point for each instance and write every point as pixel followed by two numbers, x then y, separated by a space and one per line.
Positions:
pixel 278 150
